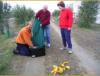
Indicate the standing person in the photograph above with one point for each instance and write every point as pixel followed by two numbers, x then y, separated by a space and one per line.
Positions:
pixel 44 16
pixel 23 40
pixel 65 23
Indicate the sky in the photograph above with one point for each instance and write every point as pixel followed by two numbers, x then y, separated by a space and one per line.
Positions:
pixel 37 5
pixel 52 5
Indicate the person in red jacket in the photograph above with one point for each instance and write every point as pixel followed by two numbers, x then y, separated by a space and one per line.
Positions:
pixel 44 16
pixel 65 23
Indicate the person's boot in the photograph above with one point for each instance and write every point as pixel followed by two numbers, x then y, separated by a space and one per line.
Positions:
pixel 15 51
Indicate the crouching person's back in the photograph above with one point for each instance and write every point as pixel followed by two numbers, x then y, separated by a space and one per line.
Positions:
pixel 25 45
pixel 23 40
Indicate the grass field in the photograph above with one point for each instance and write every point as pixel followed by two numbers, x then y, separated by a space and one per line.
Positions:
pixel 6 47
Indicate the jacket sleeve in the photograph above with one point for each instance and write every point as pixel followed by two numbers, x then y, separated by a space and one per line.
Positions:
pixel 38 14
pixel 47 20
pixel 70 18
pixel 27 39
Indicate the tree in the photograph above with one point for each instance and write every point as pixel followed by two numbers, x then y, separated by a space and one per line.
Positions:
pixel 22 14
pixel 4 16
pixel 55 13
pixel 1 10
pixel 87 13
pixel 6 13
pixel 1 17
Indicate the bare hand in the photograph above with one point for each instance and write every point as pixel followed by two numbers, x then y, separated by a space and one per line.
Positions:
pixel 34 47
pixel 69 28
pixel 40 25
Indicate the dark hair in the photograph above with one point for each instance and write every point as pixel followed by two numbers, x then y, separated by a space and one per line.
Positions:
pixel 61 3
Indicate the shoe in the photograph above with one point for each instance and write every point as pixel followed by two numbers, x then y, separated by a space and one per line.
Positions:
pixel 70 51
pixel 64 48
pixel 15 51
pixel 33 56
pixel 48 45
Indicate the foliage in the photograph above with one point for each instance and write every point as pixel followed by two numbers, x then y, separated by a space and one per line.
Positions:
pixel 22 14
pixel 5 52
pixel 87 13
pixel 4 16
pixel 1 17
pixel 55 13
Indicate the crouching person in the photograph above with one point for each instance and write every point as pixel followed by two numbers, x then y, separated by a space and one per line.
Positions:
pixel 23 41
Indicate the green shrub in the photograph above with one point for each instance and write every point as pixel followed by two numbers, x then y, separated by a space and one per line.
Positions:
pixel 22 14
pixel 5 53
pixel 87 13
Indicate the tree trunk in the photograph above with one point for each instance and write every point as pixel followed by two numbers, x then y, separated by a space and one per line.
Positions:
pixel 1 28
pixel 7 27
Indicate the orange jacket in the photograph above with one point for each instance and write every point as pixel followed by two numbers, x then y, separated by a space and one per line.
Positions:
pixel 25 36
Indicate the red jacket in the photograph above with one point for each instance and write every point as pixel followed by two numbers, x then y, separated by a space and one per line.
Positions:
pixel 66 18
pixel 44 17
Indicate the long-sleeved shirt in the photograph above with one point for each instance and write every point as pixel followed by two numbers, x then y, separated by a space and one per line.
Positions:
pixel 25 36
pixel 66 18
pixel 44 17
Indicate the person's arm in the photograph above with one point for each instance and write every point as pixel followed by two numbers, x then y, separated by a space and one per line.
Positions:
pixel 48 19
pixel 70 19
pixel 27 39
pixel 38 14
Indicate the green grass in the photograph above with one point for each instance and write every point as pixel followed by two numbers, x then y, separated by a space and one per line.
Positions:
pixel 6 47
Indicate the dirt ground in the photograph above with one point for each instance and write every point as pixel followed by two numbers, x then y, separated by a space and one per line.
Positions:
pixel 84 60
pixel 59 56
pixel 43 65
pixel 88 39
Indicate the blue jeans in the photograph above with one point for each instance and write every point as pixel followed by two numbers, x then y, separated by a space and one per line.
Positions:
pixel 46 31
pixel 66 38
pixel 23 49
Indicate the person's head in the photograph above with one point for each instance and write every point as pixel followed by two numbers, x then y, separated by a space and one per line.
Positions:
pixel 45 7
pixel 61 5
pixel 29 24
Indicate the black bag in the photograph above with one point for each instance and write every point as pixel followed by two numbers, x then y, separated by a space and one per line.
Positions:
pixel 38 51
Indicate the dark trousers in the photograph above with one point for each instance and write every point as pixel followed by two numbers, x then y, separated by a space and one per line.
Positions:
pixel 26 51
pixel 66 38
pixel 23 49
